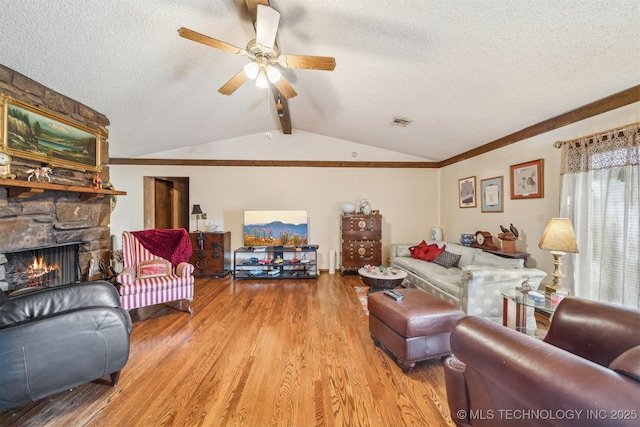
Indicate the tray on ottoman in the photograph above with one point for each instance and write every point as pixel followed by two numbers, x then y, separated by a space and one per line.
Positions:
pixel 414 329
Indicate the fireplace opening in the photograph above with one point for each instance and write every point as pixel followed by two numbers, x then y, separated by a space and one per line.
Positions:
pixel 43 267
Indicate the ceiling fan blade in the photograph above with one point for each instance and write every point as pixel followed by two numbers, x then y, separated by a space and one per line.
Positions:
pixel 209 41
pixel 252 8
pixel 234 83
pixel 285 88
pixel 267 25
pixel 326 63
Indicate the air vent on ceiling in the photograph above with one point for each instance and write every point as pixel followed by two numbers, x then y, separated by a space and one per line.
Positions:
pixel 399 121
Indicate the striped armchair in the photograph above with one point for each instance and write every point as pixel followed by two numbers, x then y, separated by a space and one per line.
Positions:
pixel 139 290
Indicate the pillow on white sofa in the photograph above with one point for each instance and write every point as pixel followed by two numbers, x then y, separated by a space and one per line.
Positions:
pixel 483 259
pixel 466 253
pixel 447 259
pixel 403 248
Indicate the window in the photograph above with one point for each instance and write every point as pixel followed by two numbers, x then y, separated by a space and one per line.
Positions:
pixel 600 194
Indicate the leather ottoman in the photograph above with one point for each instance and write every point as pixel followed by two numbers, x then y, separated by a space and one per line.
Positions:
pixel 414 329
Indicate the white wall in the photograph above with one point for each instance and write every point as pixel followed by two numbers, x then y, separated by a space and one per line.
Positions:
pixel 412 201
pixel 408 199
pixel 530 216
pixel 274 145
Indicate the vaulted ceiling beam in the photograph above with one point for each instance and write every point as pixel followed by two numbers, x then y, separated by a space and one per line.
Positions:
pixel 282 109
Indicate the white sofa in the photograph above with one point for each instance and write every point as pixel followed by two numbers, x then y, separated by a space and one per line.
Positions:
pixel 475 285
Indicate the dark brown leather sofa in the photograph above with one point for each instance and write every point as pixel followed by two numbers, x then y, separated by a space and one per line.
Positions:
pixel 586 372
pixel 58 338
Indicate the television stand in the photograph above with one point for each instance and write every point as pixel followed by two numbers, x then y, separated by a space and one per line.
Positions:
pixel 276 262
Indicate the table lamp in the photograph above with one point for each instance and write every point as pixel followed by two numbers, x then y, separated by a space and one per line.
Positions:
pixel 558 236
pixel 197 211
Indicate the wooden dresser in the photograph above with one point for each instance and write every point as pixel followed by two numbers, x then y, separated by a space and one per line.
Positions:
pixel 211 253
pixel 361 241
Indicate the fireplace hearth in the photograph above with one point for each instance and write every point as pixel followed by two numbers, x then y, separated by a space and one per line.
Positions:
pixel 43 267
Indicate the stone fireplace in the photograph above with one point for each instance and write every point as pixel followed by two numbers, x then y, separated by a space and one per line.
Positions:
pixel 68 212
pixel 42 268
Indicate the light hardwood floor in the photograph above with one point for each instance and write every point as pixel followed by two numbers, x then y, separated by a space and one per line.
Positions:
pixel 253 353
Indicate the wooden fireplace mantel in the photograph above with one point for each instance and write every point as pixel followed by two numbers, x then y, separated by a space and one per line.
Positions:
pixel 26 189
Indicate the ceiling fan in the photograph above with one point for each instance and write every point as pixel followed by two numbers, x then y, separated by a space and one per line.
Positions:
pixel 265 58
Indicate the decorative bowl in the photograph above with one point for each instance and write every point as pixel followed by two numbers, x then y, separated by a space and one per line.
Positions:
pixel 348 207
pixel 466 239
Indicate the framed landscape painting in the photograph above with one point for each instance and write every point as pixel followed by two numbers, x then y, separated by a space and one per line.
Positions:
pixel 527 180
pixel 492 198
pixel 467 192
pixel 32 133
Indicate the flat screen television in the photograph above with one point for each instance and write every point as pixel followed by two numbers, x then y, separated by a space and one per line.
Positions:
pixel 275 227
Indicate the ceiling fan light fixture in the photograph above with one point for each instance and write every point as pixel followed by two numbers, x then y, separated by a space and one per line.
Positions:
pixel 251 70
pixel 273 74
pixel 261 80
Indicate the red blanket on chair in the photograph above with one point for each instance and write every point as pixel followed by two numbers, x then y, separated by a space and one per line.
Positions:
pixel 172 245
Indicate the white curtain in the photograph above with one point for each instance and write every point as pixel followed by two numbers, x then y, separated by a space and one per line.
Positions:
pixel 600 193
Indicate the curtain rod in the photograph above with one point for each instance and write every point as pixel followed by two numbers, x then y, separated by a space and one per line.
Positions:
pixel 559 144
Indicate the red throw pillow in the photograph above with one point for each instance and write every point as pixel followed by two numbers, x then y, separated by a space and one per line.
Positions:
pixel 418 250
pixel 432 252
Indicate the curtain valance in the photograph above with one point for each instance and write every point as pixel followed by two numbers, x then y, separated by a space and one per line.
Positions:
pixel 615 147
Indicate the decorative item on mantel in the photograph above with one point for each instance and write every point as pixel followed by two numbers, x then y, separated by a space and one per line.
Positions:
pixel 97 181
pixel 466 239
pixel 5 166
pixel 508 239
pixel 41 174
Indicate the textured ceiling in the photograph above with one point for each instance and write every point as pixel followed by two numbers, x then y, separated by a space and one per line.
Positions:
pixel 465 72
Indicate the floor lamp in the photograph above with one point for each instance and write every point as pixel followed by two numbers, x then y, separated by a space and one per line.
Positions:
pixel 558 236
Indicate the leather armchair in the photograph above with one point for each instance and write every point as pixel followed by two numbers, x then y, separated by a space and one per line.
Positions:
pixel 59 338
pixel 585 372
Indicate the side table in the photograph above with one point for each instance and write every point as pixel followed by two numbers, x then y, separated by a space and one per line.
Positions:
pixel 378 281
pixel 515 301
pixel 211 253
pixel 512 255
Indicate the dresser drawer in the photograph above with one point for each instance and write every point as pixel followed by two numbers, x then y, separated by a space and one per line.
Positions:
pixel 358 253
pixel 362 224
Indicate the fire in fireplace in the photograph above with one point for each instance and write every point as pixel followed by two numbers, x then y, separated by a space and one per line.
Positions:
pixel 39 273
pixel 44 267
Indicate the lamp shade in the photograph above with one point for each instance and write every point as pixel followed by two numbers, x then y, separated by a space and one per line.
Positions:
pixel 251 70
pixel 196 210
pixel 273 74
pixel 558 235
pixel 261 80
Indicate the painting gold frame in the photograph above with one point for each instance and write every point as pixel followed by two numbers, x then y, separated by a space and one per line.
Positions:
pixel 32 133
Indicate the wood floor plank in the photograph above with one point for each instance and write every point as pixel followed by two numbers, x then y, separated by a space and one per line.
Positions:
pixel 253 353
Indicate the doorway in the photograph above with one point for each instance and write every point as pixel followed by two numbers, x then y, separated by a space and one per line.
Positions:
pixel 166 202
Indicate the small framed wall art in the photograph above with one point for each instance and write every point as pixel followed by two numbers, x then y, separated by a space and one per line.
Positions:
pixel 527 180
pixel 492 194
pixel 467 192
